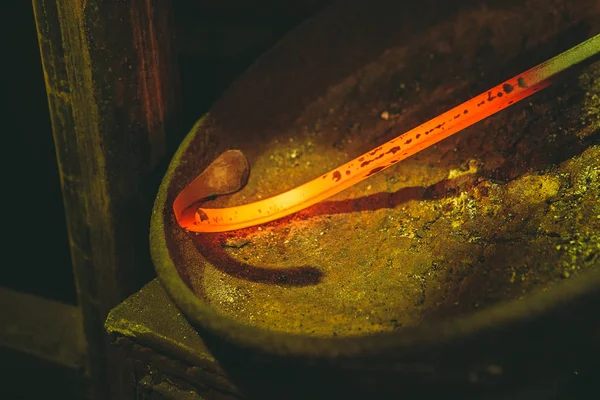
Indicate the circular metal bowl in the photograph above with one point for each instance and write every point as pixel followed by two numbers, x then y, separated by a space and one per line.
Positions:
pixel 545 332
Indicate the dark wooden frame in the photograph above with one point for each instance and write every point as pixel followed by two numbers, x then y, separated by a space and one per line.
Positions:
pixel 112 81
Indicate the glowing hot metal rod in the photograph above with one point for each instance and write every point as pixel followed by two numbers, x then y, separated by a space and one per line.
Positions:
pixel 194 218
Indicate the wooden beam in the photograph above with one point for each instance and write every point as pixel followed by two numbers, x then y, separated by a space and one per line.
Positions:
pixel 38 334
pixel 44 328
pixel 113 91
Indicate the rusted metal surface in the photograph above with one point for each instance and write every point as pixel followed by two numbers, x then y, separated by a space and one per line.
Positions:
pixel 484 230
pixel 467 224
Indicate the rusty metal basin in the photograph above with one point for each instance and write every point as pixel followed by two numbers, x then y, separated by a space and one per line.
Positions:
pixel 471 267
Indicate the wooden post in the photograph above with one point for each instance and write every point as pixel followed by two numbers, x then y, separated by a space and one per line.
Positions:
pixel 112 84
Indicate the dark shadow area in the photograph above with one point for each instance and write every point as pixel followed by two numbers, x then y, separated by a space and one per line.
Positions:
pixel 40 262
pixel 211 248
pixel 378 201
pixel 340 44
pixel 217 42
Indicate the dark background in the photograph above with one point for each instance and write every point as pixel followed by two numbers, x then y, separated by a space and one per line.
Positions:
pixel 216 42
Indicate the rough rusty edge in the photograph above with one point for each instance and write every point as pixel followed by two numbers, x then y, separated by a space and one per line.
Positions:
pixel 174 369
pixel 130 328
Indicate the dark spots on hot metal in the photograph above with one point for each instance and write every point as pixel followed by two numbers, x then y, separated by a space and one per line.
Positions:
pixel 375 170
pixel 202 215
pixel 375 151
pixel 394 149
pixel 466 112
pixel 365 163
pixel 408 141
pixel 490 97
pixel 521 82
pixel 361 159
pixel 336 176
pixel 324 176
pixel 394 162
pixel 259 211
pixel 510 102
pixel 440 125
pixel 418 135
pixel 500 94
pixel 457 116
pixel 507 88
pixel 347 172
pixel 481 103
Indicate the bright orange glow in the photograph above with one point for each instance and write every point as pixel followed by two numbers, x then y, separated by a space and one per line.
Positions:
pixel 478 108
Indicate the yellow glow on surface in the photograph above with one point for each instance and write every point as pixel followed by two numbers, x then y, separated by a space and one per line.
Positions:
pixel 196 219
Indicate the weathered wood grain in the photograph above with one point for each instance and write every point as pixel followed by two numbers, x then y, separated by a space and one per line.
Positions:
pixel 112 83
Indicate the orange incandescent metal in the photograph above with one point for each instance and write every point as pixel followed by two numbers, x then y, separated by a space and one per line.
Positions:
pixel 197 219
